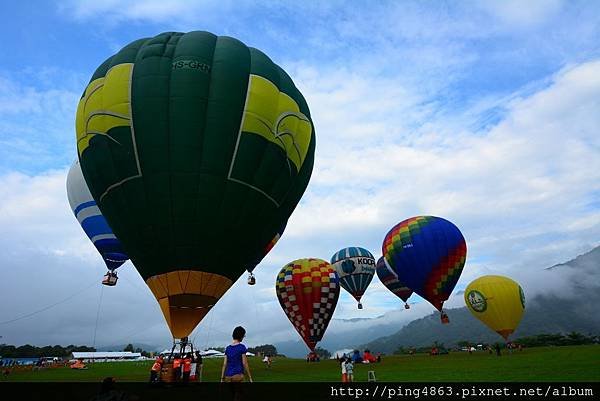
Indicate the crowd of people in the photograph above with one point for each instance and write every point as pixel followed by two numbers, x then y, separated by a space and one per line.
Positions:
pixel 183 368
pixel 347 362
pixel 9 365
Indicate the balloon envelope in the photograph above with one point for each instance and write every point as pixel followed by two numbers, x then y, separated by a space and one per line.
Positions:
pixel 390 279
pixel 197 149
pixel 497 301
pixel 428 254
pixel 355 266
pixel 308 291
pixel 261 253
pixel 92 221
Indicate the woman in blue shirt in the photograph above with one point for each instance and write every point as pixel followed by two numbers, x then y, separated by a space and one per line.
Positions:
pixel 235 362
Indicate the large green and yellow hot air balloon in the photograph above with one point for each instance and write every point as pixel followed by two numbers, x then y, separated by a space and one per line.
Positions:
pixel 497 301
pixel 197 149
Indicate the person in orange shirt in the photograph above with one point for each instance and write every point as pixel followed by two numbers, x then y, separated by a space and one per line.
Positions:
pixel 187 368
pixel 177 368
pixel 155 370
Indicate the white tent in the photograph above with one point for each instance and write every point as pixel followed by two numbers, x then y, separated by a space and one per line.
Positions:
pixel 209 353
pixel 341 352
pixel 212 353
pixel 98 356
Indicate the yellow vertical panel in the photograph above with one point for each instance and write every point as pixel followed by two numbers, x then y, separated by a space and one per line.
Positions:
pixel 283 125
pixel 106 104
pixel 157 288
pixel 194 283
pixel 164 307
pixel 175 285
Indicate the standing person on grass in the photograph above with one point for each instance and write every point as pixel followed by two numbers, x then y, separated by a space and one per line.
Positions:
pixel 187 368
pixel 349 370
pixel 198 366
pixel 235 362
pixel 344 373
pixel 155 370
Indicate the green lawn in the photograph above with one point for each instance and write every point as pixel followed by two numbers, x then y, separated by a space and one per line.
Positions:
pixel 575 363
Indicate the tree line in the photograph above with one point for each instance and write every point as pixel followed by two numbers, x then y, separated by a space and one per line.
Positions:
pixel 573 338
pixel 540 340
pixel 30 351
pixel 129 348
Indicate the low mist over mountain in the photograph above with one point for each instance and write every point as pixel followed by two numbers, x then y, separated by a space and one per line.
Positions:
pixel 344 333
pixel 573 309
pixel 564 300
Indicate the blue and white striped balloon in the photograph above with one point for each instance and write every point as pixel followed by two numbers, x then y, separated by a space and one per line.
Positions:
pixel 91 219
pixel 355 267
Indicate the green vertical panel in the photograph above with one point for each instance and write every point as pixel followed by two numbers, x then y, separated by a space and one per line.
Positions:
pixel 150 111
pixel 190 82
pixel 263 66
pixel 228 85
pixel 286 183
pixel 300 182
pixel 219 200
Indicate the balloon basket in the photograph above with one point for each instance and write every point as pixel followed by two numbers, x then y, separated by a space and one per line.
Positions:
pixel 360 306
pixel 406 306
pixel 110 278
pixel 181 347
pixel 444 318
pixel 167 374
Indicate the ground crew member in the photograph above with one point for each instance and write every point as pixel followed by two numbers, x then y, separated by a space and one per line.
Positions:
pixel 155 370
pixel 187 368
pixel 177 368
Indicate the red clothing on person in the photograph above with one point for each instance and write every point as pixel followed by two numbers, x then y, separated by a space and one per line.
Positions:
pixel 187 365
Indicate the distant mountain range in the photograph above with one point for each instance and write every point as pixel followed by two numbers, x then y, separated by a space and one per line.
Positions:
pixel 121 347
pixel 574 308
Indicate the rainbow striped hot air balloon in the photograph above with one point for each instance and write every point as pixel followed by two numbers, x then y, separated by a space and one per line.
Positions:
pixel 355 266
pixel 93 223
pixel 428 254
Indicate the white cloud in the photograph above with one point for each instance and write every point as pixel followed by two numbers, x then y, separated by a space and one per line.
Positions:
pixel 34 211
pixel 140 10
pixel 530 174
pixel 522 13
pixel 37 123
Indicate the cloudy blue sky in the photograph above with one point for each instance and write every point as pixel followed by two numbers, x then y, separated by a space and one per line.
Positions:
pixel 486 113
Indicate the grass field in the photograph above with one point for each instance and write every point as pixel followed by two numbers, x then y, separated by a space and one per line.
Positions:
pixel 574 363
